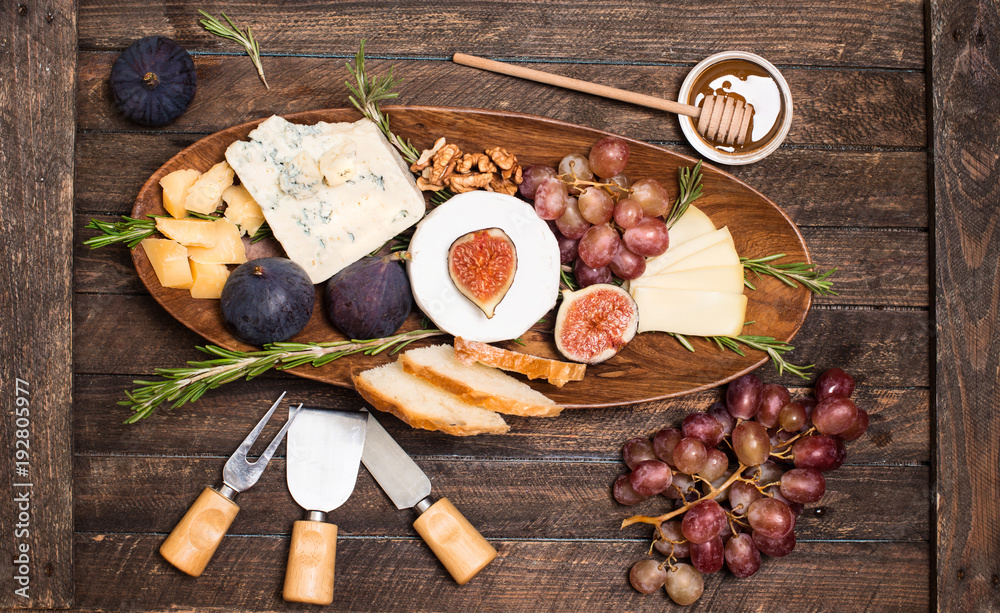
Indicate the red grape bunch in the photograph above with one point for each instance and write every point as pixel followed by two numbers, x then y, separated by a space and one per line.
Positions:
pixel 603 221
pixel 736 478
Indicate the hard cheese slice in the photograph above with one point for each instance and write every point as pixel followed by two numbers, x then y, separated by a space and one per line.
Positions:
pixel 208 279
pixel 718 255
pixel 728 279
pixel 691 247
pixel 324 228
pixel 169 260
pixel 188 232
pixel 227 248
pixel 692 224
pixel 691 313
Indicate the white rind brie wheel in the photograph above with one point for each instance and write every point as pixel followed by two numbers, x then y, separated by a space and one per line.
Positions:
pixel 536 281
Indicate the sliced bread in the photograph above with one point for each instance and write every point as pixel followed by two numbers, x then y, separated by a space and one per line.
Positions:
pixel 423 405
pixel 555 372
pixel 477 384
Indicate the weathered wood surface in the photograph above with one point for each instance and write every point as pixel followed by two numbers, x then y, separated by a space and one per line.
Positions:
pixel 965 40
pixel 852 33
pixel 391 574
pixel 853 175
pixel 37 128
pixel 834 107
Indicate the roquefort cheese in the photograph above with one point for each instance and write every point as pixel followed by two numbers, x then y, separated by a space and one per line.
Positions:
pixel 325 223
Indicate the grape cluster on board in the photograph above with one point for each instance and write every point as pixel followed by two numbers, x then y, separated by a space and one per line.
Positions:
pixel 736 478
pixel 604 222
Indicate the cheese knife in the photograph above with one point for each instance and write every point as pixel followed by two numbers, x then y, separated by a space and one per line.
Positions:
pixel 456 542
pixel 194 539
pixel 324 453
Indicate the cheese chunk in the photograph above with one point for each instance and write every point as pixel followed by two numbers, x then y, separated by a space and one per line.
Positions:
pixel 188 232
pixel 242 209
pixel 208 279
pixel 717 256
pixel 205 195
pixel 169 260
pixel 175 186
pixel 727 279
pixel 324 227
pixel 228 247
pixel 691 247
pixel 692 224
pixel 690 313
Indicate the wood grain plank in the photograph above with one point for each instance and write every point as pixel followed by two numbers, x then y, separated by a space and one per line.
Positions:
pixel 859 33
pixel 569 500
pixel 402 575
pixel 833 108
pixel 964 44
pixel 899 432
pixel 887 189
pixel 37 127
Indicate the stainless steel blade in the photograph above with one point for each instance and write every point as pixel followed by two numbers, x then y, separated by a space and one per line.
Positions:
pixel 395 472
pixel 324 453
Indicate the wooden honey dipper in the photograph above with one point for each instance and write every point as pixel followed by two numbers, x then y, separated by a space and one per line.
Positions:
pixel 721 119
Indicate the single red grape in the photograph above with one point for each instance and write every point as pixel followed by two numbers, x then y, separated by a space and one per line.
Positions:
pixel 834 383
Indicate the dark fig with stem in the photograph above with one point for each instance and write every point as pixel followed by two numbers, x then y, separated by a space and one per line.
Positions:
pixel 153 81
pixel 371 298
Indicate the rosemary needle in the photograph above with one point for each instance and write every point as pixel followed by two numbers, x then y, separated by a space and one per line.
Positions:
pixel 233 33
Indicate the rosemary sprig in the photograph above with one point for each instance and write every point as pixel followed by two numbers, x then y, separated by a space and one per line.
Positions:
pixel 689 181
pixel 264 231
pixel 802 272
pixel 368 93
pixel 182 385
pixel 129 230
pixel 233 33
pixel 775 349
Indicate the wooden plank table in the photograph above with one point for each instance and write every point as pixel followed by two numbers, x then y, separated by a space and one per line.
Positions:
pixel 890 171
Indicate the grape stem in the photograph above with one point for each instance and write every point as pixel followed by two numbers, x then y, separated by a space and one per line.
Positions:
pixel 656 521
pixel 784 453
pixel 574 182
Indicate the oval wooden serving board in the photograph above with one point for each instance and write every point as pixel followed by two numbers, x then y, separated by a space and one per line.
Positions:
pixel 652 366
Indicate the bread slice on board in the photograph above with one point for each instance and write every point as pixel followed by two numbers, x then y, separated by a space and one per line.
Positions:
pixel 555 372
pixel 423 405
pixel 477 384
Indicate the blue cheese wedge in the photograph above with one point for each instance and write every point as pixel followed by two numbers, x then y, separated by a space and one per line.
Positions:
pixel 331 192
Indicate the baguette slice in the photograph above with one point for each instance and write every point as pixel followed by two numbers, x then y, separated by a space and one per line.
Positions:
pixel 476 384
pixel 423 405
pixel 555 372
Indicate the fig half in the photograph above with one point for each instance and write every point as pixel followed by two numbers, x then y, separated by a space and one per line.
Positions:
pixel 595 323
pixel 482 264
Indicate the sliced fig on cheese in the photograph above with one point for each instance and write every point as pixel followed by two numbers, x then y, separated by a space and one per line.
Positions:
pixel 482 264
pixel 535 286
pixel 595 323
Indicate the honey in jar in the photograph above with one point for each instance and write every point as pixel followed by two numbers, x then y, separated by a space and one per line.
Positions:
pixel 743 80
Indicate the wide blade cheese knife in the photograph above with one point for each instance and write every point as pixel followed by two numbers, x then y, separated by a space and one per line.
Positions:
pixel 324 453
pixel 456 542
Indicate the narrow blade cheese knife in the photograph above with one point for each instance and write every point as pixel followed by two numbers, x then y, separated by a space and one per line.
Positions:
pixel 324 453
pixel 456 542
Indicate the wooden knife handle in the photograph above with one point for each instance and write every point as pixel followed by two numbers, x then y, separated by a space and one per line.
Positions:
pixel 194 540
pixel 463 551
pixel 311 558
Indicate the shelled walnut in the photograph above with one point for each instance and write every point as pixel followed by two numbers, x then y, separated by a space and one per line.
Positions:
pixel 445 166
